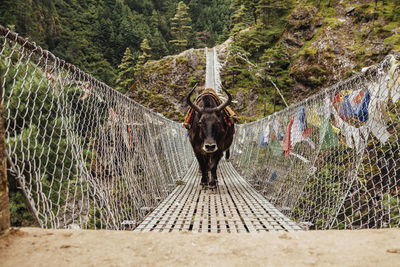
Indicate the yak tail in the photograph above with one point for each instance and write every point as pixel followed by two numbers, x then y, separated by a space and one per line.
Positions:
pixel 227 154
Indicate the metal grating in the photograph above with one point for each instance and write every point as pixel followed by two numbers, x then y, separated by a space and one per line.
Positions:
pixel 233 207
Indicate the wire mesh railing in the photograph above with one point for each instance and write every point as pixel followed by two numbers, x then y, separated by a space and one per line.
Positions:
pixel 331 161
pixel 83 154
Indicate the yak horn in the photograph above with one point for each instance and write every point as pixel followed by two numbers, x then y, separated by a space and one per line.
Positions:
pixel 190 103
pixel 226 103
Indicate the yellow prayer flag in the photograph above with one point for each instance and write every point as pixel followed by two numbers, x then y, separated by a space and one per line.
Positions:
pixel 313 118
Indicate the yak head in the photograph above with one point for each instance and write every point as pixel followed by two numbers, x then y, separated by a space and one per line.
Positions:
pixel 210 122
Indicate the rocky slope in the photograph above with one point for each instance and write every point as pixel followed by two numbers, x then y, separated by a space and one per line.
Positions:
pixel 330 48
pixel 317 47
pixel 163 85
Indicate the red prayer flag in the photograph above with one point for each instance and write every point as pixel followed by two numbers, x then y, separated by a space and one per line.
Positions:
pixel 286 139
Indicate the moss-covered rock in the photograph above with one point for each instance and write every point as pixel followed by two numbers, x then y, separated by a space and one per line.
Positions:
pixel 313 76
pixel 163 85
pixel 393 41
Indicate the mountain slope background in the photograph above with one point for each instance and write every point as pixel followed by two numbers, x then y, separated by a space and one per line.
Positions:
pixel 301 45
pixel 93 34
pixel 305 46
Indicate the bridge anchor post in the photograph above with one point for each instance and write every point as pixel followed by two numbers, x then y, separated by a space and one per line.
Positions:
pixel 4 200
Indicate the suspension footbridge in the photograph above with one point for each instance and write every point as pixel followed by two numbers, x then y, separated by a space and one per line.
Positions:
pixel 233 207
pixel 86 156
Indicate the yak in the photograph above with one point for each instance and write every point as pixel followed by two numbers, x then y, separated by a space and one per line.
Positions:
pixel 210 134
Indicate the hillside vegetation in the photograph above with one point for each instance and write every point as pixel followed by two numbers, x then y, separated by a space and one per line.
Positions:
pixel 302 46
pixel 94 34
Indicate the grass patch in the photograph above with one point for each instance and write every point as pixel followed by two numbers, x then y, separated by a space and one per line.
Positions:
pixel 394 40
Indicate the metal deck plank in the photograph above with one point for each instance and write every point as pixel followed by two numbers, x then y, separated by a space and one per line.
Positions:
pixel 256 212
pixel 182 216
pixel 221 215
pixel 213 213
pixel 234 221
pixel 170 217
pixel 240 205
pixel 262 213
pixel 204 212
pixel 190 215
pixel 152 219
pixel 199 212
pixel 279 217
pixel 233 207
pixel 279 221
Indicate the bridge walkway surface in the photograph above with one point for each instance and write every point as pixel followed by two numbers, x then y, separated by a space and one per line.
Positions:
pixel 233 207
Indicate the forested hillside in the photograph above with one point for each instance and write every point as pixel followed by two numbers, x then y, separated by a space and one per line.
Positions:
pixel 301 46
pixel 94 34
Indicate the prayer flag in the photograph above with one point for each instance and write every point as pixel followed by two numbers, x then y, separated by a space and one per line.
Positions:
pixel 287 139
pixel 354 104
pixel 277 129
pixel 297 132
pixel 275 147
pixel 262 139
pixel 302 117
pixel 312 116
pixel 264 136
pixel 273 177
pixel 327 137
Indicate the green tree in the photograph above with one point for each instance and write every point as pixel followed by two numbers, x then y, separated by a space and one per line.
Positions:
pixel 268 7
pixel 126 72
pixel 252 7
pixel 209 20
pixel 157 41
pixel 146 50
pixel 181 27
pixel 238 19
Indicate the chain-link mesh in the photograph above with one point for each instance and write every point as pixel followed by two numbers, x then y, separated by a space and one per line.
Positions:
pixel 331 161
pixel 84 155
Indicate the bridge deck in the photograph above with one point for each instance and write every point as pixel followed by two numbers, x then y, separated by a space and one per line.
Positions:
pixel 233 207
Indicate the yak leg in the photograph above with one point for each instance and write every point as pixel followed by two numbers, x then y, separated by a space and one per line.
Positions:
pixel 213 166
pixel 203 163
pixel 227 154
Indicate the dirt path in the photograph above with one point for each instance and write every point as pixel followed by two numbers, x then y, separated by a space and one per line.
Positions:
pixel 37 247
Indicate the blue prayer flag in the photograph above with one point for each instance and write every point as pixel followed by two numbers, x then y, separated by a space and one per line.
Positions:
pixel 362 109
pixel 262 140
pixel 273 177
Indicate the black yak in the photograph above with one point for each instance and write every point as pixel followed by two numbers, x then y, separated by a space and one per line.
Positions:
pixel 211 132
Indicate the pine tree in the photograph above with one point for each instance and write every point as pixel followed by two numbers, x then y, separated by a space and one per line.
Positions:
pixel 157 42
pixel 238 19
pixel 181 27
pixel 146 50
pixel 235 4
pixel 264 8
pixel 251 5
pixel 126 70
pixel 267 7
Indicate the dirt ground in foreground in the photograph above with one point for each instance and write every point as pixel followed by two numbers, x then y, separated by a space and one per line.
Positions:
pixel 37 247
